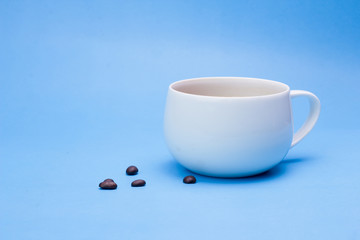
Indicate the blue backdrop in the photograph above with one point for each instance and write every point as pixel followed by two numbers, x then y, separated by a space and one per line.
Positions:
pixel 82 92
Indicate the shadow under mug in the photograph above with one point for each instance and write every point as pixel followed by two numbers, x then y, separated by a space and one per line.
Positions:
pixel 233 126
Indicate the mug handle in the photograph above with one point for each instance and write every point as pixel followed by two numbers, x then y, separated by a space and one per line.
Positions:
pixel 312 117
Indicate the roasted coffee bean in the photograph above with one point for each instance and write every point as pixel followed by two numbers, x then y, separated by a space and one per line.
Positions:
pixel 108 184
pixel 132 170
pixel 189 179
pixel 106 180
pixel 138 183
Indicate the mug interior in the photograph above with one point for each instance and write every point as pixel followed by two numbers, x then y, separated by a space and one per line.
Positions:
pixel 229 87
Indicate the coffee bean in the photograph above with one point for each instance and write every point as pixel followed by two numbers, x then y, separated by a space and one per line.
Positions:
pixel 108 184
pixel 138 183
pixel 132 170
pixel 189 179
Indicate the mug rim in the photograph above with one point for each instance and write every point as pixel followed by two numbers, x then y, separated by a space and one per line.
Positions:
pixel 287 88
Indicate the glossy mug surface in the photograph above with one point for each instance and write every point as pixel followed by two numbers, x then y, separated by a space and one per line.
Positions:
pixel 232 126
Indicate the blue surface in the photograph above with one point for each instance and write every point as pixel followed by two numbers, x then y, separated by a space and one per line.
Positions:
pixel 82 93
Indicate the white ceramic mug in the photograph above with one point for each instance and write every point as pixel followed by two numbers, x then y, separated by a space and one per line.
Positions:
pixel 233 126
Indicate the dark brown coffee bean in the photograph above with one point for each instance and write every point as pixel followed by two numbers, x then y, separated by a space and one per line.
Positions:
pixel 189 179
pixel 132 170
pixel 108 185
pixel 106 180
pixel 138 183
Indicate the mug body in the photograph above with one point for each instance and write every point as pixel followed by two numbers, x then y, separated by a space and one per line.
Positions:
pixel 228 126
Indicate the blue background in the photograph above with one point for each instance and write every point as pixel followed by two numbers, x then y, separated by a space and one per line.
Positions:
pixel 82 93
